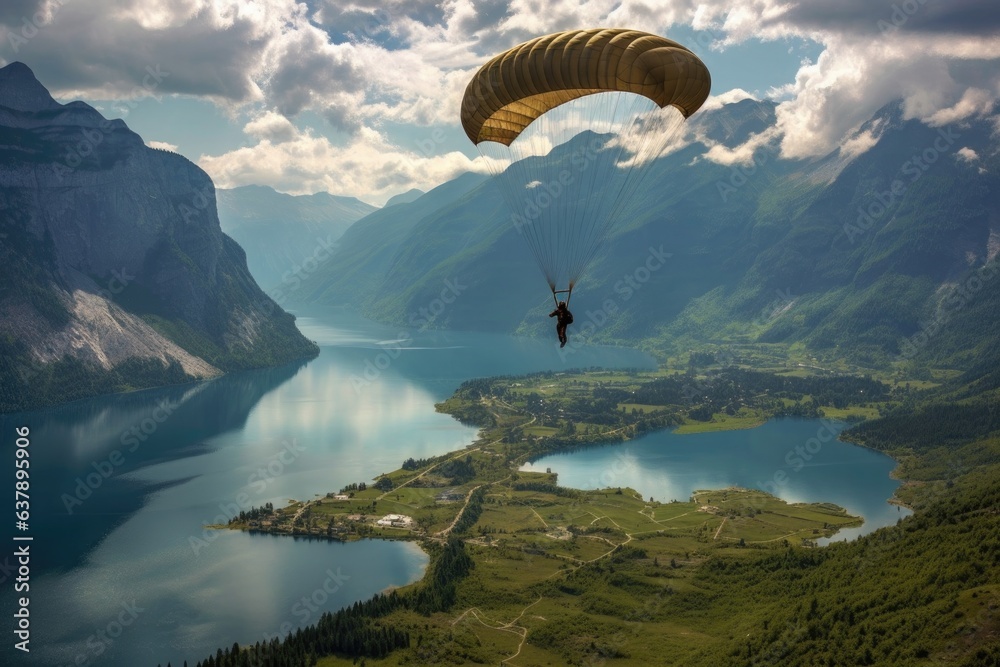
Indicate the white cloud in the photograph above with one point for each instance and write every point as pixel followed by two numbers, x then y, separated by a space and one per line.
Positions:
pixel 369 167
pixel 967 155
pixel 861 140
pixel 364 65
pixel 162 145
pixel 271 126
pixel 975 102
pixel 855 77
pixel 728 97
pixel 742 154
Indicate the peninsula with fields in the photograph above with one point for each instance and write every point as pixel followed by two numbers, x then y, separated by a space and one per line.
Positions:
pixel 531 572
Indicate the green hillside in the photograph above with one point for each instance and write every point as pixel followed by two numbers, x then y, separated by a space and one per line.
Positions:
pixel 836 257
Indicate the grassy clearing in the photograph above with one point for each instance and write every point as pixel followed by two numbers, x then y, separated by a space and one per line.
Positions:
pixel 721 422
pixel 532 592
pixel 579 577
pixel 851 414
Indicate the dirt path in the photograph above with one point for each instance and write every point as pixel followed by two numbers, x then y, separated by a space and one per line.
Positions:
pixel 539 516
pixel 503 627
pixel 413 479
pixel 302 509
pixel 468 497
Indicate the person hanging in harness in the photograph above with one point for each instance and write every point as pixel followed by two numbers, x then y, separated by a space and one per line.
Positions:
pixel 564 319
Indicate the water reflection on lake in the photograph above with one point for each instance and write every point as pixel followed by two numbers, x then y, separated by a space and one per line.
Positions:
pixel 122 486
pixel 794 459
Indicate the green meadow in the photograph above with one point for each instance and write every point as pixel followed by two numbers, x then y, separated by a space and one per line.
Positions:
pixel 560 576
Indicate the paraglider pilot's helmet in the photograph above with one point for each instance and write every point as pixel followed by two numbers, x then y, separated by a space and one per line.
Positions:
pixel 562 304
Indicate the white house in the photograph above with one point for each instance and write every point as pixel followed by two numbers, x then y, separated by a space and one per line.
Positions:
pixel 395 520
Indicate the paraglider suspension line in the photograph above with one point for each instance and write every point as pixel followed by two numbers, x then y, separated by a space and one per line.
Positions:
pixel 567 292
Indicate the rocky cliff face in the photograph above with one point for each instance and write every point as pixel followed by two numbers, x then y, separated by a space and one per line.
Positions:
pixel 115 271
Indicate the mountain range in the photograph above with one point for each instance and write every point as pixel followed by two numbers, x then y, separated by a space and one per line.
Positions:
pixel 117 273
pixel 280 232
pixel 858 254
pixel 114 271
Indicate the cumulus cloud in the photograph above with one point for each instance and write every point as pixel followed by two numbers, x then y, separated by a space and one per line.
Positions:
pixel 365 65
pixel 369 167
pixel 271 126
pixel 162 145
pixel 102 50
pixel 974 102
pixel 967 155
pixel 728 97
pixel 862 140
pixel 860 71
pixel 742 154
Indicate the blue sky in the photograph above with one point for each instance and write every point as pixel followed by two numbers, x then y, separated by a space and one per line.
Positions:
pixel 361 97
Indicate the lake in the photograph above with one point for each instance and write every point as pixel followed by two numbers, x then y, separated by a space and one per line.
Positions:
pixel 122 571
pixel 798 460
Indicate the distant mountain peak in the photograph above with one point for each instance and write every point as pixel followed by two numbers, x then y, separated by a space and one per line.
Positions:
pixel 404 197
pixel 21 91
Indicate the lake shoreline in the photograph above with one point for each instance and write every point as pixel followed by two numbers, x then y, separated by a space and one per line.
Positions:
pixel 481 440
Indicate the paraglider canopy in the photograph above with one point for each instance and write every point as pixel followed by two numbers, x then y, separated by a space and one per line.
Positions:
pixel 629 89
pixel 519 85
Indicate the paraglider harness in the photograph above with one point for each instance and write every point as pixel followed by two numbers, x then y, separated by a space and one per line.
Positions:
pixel 562 310
pixel 568 293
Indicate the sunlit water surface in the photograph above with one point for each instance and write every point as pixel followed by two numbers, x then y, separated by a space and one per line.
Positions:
pixel 123 572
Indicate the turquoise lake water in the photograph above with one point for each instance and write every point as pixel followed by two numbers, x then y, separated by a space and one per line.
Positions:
pixel 798 460
pixel 123 572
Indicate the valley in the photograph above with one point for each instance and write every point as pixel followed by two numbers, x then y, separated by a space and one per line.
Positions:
pixel 565 576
